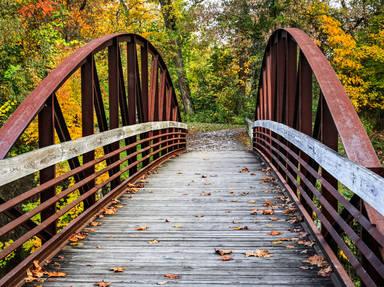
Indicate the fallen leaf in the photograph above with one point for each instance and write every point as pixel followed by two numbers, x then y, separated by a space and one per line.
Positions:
pixel 267 211
pixel 172 276
pixel 267 203
pixel 226 258
pixel 142 228
pixel 240 227
pixel 289 210
pixel 162 282
pixel 325 272
pixel 109 210
pixel 244 170
pixel 289 246
pixel 251 201
pixel 95 223
pixel 307 243
pixel 223 251
pixel 154 241
pixel 268 179
pixel 55 274
pixel 103 284
pixel 77 236
pixel 118 269
pixel 316 260
pixel 274 233
pixel 258 253
pixel 273 218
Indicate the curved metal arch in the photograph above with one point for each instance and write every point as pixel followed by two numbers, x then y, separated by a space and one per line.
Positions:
pixel 35 101
pixel 287 44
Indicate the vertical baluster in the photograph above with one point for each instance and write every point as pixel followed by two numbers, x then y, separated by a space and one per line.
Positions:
pixel 132 65
pixel 305 116
pixel 46 138
pixel 113 99
pixel 87 98
pixel 144 95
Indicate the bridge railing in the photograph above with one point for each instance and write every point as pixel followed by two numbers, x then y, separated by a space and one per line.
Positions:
pixel 129 121
pixel 299 89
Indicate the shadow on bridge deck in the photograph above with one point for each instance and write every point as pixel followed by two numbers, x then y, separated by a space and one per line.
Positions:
pixel 193 204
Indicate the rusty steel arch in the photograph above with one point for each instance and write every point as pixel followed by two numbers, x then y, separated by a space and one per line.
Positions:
pixel 143 121
pixel 293 69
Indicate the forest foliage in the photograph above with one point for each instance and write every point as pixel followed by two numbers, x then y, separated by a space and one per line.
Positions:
pixel 213 48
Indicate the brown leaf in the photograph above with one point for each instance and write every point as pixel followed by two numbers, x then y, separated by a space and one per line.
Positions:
pixel 307 243
pixel 258 253
pixel 226 258
pixel 223 251
pixel 289 210
pixel 274 233
pixel 102 284
pixel 316 260
pixel 325 272
pixel 268 179
pixel 110 210
pixel 172 276
pixel 118 269
pixel 267 203
pixel 95 223
pixel 77 236
pixel 267 211
pixel 56 274
pixel 244 170
pixel 142 228
pixel 154 241
pixel 273 218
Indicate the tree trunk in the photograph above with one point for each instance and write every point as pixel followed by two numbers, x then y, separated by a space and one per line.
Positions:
pixel 182 81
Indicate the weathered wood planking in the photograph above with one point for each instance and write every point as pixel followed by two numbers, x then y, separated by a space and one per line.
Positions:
pixel 198 223
pixel 19 166
pixel 360 180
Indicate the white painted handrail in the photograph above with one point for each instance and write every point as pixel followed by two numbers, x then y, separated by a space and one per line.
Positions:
pixel 22 165
pixel 360 180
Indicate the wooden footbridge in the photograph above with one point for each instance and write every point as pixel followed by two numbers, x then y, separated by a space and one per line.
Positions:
pixel 290 212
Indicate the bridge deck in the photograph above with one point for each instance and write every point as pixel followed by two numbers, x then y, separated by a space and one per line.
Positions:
pixel 205 197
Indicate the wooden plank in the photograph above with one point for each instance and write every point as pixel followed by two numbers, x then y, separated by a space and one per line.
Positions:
pixel 197 224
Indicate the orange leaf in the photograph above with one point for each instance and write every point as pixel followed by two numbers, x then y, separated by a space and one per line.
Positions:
pixel 172 276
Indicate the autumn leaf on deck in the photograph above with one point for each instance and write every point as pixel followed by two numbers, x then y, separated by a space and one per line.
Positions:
pixel 226 258
pixel 240 227
pixel 118 269
pixel 289 210
pixel 325 272
pixel 289 246
pixel 267 211
pixel 267 203
pixel 77 237
pixel 308 243
pixel 316 260
pixel 268 179
pixel 142 228
pixel 274 233
pixel 273 218
pixel 223 251
pixel 95 223
pixel 267 169
pixel 244 170
pixel 154 241
pixel 110 210
pixel 172 276
pixel 55 274
pixel 252 201
pixel 258 253
pixel 103 284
